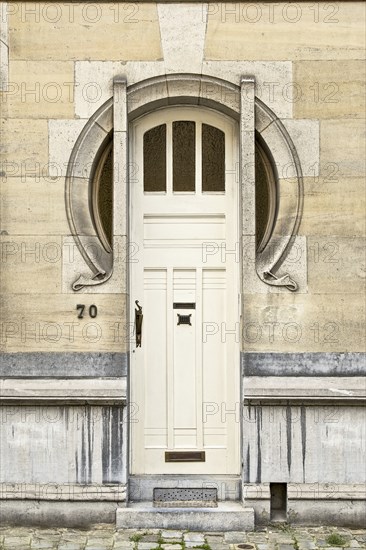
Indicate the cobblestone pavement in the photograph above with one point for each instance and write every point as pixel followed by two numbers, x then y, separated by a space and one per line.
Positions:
pixel 103 537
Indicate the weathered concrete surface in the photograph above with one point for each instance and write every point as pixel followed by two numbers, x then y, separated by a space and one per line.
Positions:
pixel 63 444
pixel 80 515
pixel 62 365
pixel 299 444
pixel 58 390
pixel 229 516
pixel 104 537
pixel 303 364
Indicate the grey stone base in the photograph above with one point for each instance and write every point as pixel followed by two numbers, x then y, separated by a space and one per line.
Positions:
pixel 344 513
pixel 228 516
pixel 316 512
pixel 303 364
pixel 56 514
pixel 63 365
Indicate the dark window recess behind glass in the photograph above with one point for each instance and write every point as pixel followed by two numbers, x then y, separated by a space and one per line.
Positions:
pixel 213 159
pixel 184 155
pixel 155 159
pixel 262 200
pixel 105 195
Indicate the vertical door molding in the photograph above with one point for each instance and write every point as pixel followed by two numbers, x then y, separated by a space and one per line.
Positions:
pixel 247 172
pixel 120 159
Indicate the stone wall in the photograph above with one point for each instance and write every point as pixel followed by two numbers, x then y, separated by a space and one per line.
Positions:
pixel 312 80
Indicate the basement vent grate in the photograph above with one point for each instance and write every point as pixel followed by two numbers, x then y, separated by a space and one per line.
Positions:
pixel 185 498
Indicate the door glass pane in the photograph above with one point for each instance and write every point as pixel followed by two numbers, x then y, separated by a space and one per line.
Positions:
pixel 155 159
pixel 184 155
pixel 213 159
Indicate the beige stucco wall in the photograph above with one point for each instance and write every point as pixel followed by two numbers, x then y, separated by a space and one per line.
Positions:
pixel 309 69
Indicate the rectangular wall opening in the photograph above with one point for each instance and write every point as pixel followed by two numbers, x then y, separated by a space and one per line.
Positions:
pixel 278 501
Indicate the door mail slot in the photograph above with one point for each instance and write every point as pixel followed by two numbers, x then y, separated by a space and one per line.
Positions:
pixel 184 305
pixel 184 319
pixel 185 456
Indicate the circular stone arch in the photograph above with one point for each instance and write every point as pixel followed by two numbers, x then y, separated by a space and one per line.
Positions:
pixel 184 89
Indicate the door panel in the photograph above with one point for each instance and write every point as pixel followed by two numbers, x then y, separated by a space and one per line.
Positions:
pixel 185 377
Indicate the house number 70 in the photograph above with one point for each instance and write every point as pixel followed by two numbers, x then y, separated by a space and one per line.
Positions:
pixel 93 311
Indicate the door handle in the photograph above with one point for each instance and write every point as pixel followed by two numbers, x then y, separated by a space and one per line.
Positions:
pixel 138 323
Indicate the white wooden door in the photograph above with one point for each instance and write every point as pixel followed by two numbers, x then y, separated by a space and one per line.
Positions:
pixel 185 380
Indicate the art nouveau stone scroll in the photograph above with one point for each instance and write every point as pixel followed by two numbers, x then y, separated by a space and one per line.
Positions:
pixel 239 102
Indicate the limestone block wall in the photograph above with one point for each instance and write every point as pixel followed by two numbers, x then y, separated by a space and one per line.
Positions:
pixel 313 81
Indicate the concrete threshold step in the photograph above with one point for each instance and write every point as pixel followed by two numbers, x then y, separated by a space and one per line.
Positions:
pixel 228 516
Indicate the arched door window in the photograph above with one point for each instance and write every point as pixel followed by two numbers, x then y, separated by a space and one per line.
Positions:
pixel 213 179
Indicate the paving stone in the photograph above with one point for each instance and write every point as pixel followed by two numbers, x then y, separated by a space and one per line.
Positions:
pixel 149 538
pixel 18 531
pixel 194 537
pixel 147 545
pixel 123 545
pixel 74 537
pixel 102 528
pixel 252 537
pixel 214 539
pixel 42 543
pixel 306 545
pixel 354 544
pixel 16 541
pixel 122 536
pixel 235 536
pixel 171 546
pixel 49 532
pixel 101 534
pixel 20 547
pixel 171 534
pixel 69 546
pixel 106 543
